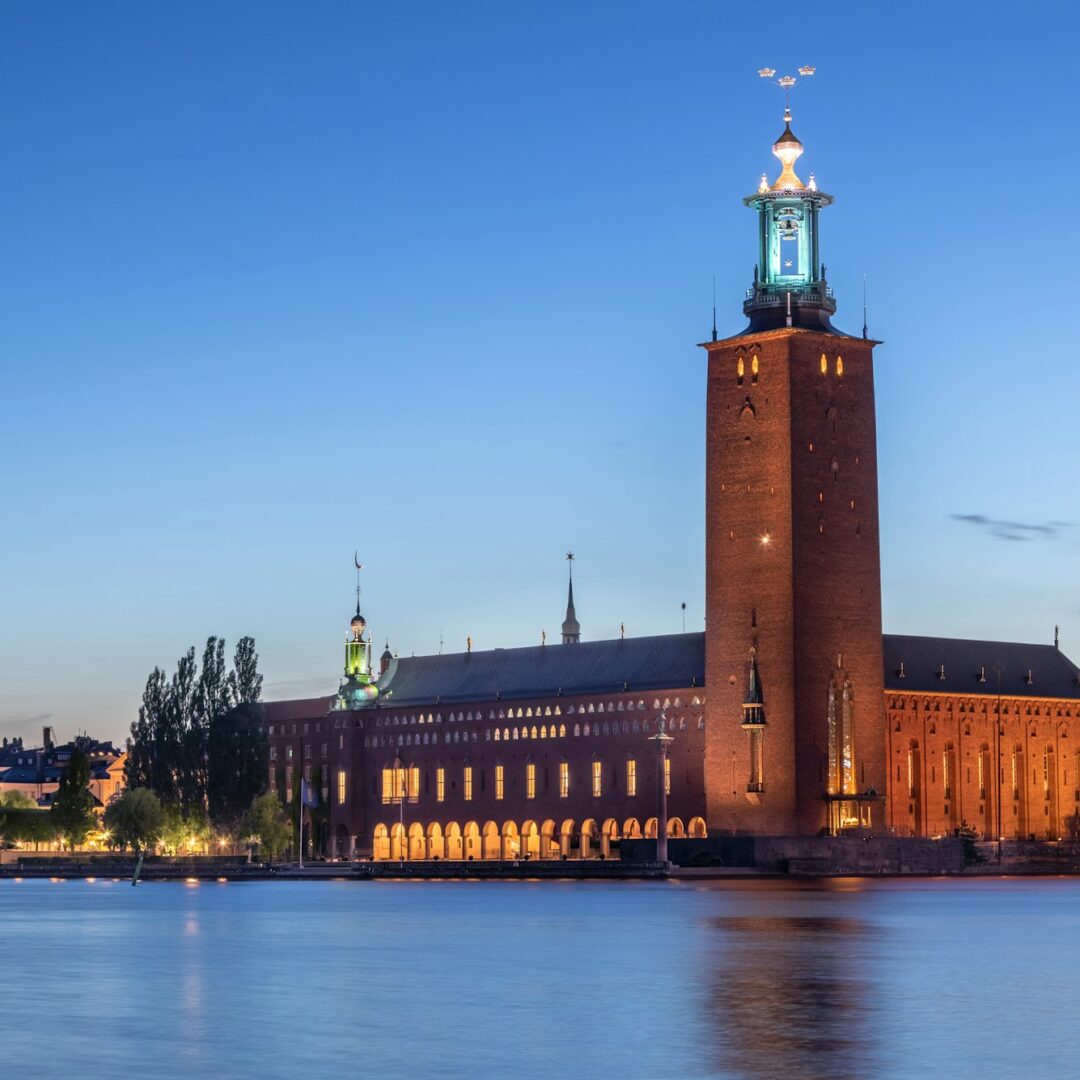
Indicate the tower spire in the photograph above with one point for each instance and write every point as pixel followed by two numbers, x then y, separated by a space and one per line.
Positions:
pixel 789 286
pixel 571 628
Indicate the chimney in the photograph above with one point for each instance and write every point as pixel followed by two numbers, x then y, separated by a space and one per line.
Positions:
pixel 47 737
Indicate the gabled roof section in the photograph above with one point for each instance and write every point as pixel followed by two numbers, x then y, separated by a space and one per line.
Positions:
pixel 663 662
pixel 275 712
pixel 1036 671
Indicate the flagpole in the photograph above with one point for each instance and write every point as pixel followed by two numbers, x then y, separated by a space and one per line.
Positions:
pixel 302 823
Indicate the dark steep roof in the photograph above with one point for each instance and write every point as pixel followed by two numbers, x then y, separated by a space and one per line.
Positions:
pixel 677 661
pixel 1053 674
pixel 663 662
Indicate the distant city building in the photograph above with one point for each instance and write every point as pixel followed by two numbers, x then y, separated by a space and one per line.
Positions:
pixel 36 771
pixel 791 714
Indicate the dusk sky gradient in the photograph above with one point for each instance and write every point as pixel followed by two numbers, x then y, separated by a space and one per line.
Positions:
pixel 284 280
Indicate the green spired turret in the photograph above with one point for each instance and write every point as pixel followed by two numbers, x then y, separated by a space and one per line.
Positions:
pixel 789 279
pixel 358 689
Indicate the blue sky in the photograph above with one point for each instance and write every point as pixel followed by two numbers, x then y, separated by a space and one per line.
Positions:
pixel 284 280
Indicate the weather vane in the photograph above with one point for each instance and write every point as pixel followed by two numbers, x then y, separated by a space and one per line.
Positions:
pixel 785 82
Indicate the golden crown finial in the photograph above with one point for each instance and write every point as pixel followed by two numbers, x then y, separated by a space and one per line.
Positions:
pixel 787 148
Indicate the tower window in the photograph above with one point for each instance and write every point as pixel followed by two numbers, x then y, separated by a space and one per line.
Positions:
pixel 824 364
pixel 754 368
pixel 740 370
pixel 839 365
pixel 597 779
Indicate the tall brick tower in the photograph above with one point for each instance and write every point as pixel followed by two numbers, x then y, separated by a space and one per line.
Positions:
pixel 795 735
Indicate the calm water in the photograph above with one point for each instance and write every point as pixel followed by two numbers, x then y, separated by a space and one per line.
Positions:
pixel 512 979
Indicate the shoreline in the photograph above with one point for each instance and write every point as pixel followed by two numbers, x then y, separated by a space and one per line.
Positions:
pixel 199 871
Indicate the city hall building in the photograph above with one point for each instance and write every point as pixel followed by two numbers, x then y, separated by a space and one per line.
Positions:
pixel 792 714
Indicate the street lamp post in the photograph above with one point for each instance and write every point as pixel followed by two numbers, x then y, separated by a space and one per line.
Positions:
pixel 663 742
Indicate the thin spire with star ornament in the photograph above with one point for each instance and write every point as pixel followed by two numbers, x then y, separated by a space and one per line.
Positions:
pixel 571 628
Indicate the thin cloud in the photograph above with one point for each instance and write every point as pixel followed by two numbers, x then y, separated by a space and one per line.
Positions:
pixel 12 718
pixel 1000 529
pixel 298 687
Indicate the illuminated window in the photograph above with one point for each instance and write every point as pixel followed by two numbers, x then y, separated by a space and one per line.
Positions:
pixel 497 735
pixel 597 779
pixel 341 787
pixel 667 776
pixel 824 364
pixel 564 780
pixel 273 753
pixel 530 781
pixel 440 784
pixel 740 370
pixel 839 365
pixel 468 783
pixel 631 777
pixel 840 739
pixel 288 778
pixel 754 368
pixel 399 783
pixel 499 782
pixel 288 752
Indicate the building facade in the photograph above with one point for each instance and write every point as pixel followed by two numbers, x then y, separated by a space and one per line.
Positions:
pixel 792 714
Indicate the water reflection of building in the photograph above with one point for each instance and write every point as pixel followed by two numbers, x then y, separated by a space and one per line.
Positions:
pixel 791 996
pixel 812 720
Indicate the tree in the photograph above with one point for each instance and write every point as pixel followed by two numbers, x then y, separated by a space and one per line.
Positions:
pixel 73 808
pixel 267 820
pixel 245 682
pixel 16 800
pixel 237 761
pixel 136 819
pixel 169 748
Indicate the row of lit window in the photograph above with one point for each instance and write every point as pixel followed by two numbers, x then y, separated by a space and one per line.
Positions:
pixel 528 712
pixel 986 706
pixel 403 784
pixel 755 367
pixel 340 786
pixel 543 732
pixel 948 769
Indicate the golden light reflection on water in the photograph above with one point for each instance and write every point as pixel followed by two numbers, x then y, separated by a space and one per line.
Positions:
pixel 791 996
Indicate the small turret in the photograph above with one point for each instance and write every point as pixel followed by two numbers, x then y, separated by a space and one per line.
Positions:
pixel 357 688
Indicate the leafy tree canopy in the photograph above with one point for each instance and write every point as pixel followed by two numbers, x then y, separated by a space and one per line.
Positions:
pixel 136 819
pixel 170 752
pixel 267 820
pixel 73 808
